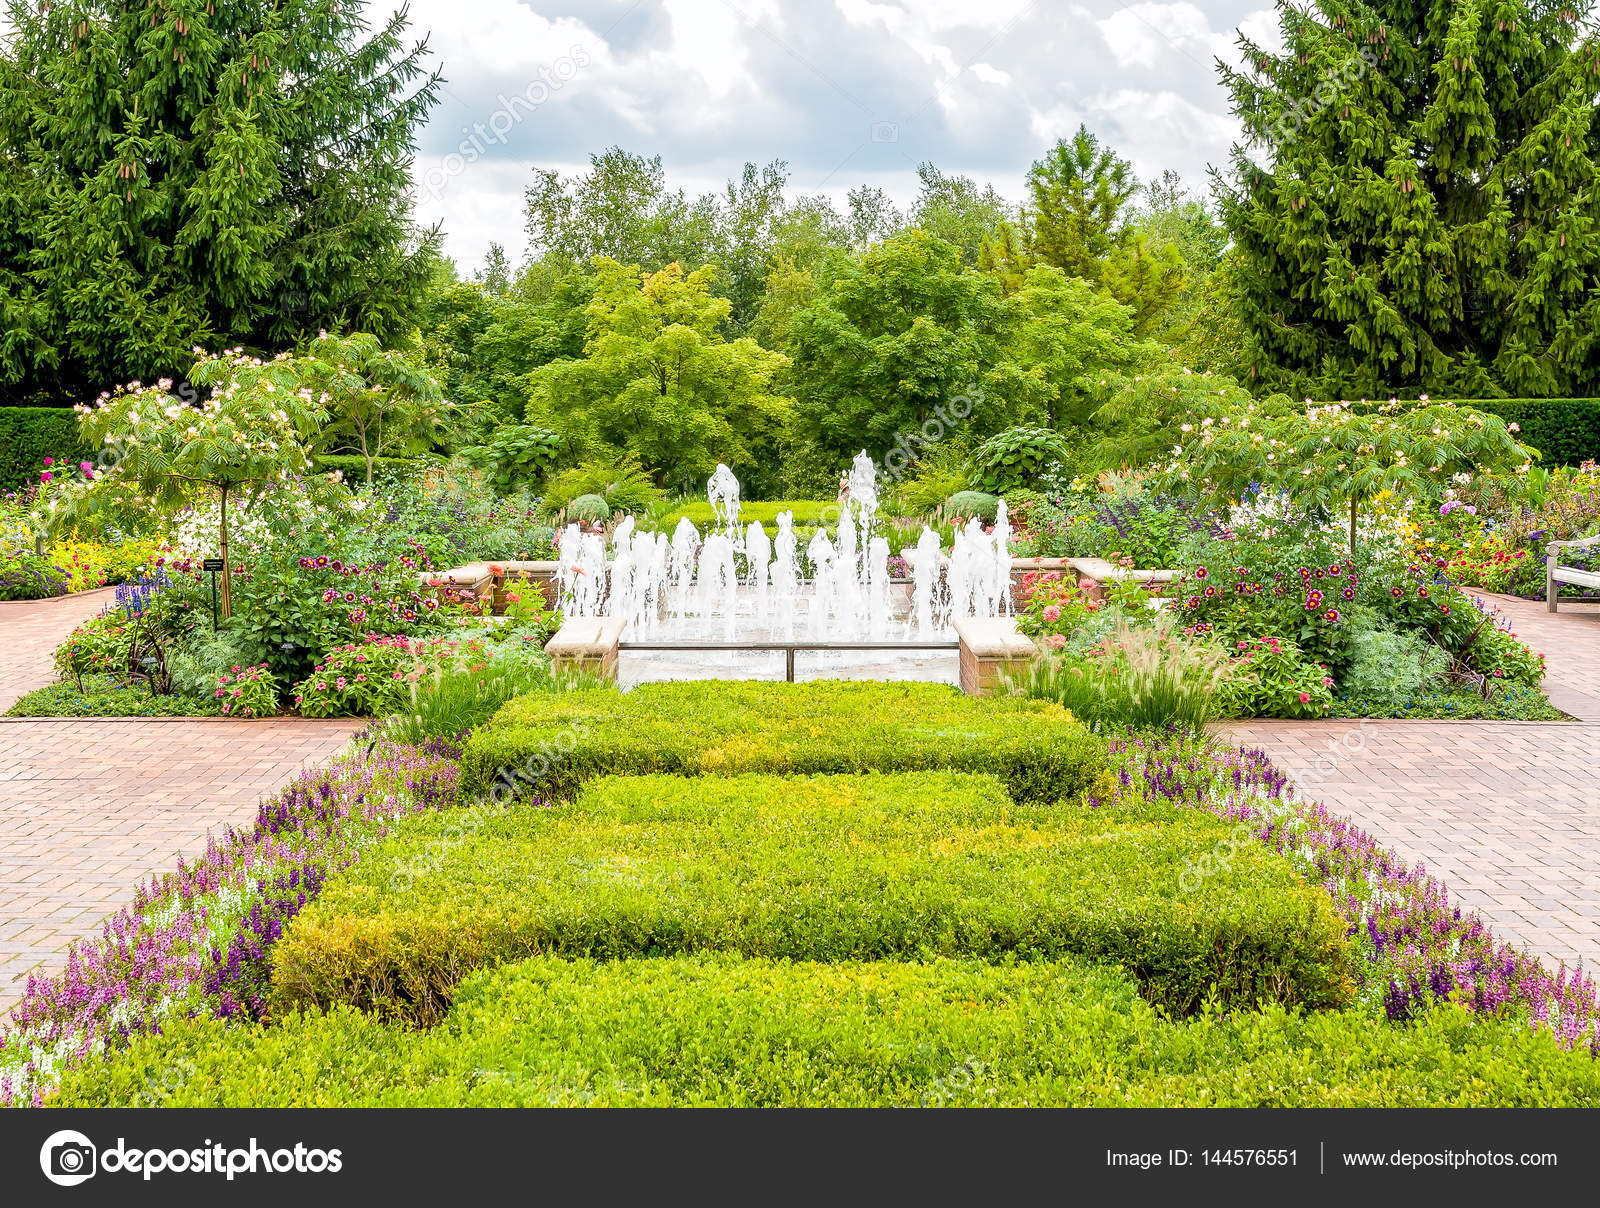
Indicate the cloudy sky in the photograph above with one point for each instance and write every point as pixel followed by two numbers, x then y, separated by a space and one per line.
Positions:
pixel 845 91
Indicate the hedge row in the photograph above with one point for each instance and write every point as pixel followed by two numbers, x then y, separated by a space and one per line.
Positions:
pixel 354 467
pixel 808 513
pixel 549 744
pixel 828 868
pixel 28 435
pixel 713 1030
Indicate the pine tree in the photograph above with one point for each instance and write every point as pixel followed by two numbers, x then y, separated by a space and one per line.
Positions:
pixel 1416 208
pixel 177 173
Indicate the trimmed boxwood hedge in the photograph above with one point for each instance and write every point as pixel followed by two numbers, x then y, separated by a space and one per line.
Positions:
pixel 28 435
pixel 715 1030
pixel 813 868
pixel 550 743
pixel 354 467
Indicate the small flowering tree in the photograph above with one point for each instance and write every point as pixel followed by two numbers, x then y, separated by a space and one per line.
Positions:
pixel 379 401
pixel 163 450
pixel 1333 458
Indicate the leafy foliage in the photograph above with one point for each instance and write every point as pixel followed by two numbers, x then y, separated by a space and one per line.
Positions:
pixel 1017 457
pixel 1415 206
pixel 201 174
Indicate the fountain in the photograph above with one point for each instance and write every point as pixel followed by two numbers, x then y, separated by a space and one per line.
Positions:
pixel 738 583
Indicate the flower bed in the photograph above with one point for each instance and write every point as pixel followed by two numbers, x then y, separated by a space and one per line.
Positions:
pixel 177 950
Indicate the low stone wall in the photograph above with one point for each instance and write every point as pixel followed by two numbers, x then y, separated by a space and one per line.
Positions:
pixel 586 644
pixel 991 648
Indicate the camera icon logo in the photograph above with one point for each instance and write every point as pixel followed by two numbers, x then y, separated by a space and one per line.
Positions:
pixel 67 1158
pixel 885 132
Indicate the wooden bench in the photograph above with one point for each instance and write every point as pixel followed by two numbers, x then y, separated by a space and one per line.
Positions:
pixel 1555 573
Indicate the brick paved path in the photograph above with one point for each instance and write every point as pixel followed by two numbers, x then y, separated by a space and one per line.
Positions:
pixel 30 630
pixel 1507 814
pixel 88 807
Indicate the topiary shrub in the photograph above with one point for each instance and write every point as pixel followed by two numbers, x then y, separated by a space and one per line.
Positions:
pixel 967 504
pixel 829 868
pixel 1016 458
pixel 589 509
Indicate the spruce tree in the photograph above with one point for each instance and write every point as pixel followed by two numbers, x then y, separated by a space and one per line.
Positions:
pixel 177 173
pixel 1416 207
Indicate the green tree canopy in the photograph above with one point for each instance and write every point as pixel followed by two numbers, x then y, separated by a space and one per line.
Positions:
pixel 657 378
pixel 1416 206
pixel 893 334
pixel 192 173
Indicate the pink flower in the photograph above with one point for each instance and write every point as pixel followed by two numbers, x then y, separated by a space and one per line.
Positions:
pixel 1057 641
pixel 221 693
pixel 1052 614
pixel 44 475
pixel 1305 698
pixel 86 467
pixel 49 461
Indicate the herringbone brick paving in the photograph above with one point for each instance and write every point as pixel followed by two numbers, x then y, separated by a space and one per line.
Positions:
pixel 1507 814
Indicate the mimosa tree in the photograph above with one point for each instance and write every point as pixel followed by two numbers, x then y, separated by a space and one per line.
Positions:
pixel 1332 458
pixel 160 450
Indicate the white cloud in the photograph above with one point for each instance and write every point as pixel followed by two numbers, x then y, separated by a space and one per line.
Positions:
pixel 978 87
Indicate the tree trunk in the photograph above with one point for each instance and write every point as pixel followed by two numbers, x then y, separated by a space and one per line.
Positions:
pixel 227 567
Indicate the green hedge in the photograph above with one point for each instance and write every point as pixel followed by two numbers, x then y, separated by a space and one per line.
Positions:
pixel 808 513
pixel 713 1030
pixel 354 467
pixel 1566 431
pixel 813 868
pixel 549 744
pixel 28 435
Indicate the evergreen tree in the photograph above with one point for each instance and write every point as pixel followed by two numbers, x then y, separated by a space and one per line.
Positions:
pixel 1416 207
pixel 183 172
pixel 1079 220
pixel 495 275
pixel 1077 194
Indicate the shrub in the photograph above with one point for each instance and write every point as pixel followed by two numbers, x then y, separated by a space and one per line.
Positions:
pixel 1275 681
pixel 967 504
pixel 1566 431
pixel 1017 457
pixel 813 868
pixel 808 513
pixel 203 654
pixel 1139 678
pixel 589 509
pixel 362 679
pixel 247 692
pixel 709 1030
pixel 26 576
pixel 620 480
pixel 550 744
pixel 518 455
pixel 1388 668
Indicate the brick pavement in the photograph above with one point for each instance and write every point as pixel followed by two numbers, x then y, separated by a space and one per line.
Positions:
pixel 89 807
pixel 30 630
pixel 1507 814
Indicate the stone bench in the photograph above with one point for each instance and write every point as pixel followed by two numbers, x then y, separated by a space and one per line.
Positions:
pixel 991 647
pixel 586 644
pixel 1555 573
